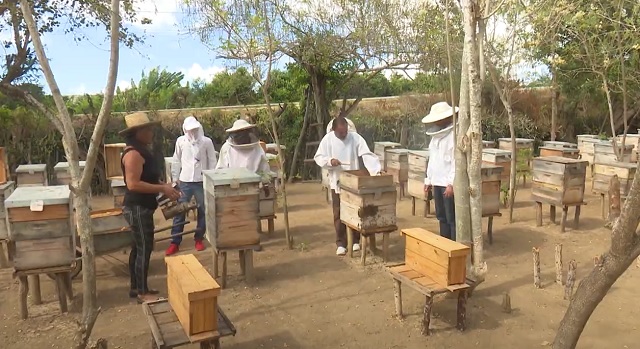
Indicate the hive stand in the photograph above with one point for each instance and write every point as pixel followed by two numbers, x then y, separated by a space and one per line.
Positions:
pixel 490 225
pixel 270 224
pixel 427 205
pixel 371 235
pixel 64 288
pixel 4 258
pixel 245 253
pixel 402 274
pixel 167 332
pixel 552 215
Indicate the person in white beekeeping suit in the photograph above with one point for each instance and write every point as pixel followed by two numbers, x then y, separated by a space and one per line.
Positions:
pixel 352 126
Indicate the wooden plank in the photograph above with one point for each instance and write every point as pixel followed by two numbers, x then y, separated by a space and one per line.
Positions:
pixel 430 252
pixel 50 212
pixel 155 331
pixel 453 248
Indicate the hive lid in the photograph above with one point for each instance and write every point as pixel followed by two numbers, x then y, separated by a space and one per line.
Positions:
pixel 518 140
pixel 496 151
pixel 117 183
pixel 65 165
pixel 226 176
pixel 31 168
pixel 422 153
pixel 7 185
pixel 273 146
pixel 454 248
pixel 116 145
pixel 566 150
pixel 561 160
pixel 400 151
pixel 627 165
pixel 486 166
pixel 387 144
pixel 51 195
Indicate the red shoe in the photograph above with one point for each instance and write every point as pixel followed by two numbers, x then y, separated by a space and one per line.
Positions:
pixel 199 245
pixel 173 249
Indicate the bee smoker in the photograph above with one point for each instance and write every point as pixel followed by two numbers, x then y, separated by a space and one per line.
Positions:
pixel 171 208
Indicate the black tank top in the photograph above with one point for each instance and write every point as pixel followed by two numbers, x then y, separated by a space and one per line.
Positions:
pixel 150 173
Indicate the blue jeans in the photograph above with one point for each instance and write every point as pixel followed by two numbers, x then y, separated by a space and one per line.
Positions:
pixel 189 190
pixel 445 213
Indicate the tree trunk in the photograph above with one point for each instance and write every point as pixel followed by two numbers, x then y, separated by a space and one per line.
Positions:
pixel 614 201
pixel 299 145
pixel 319 86
pixel 554 104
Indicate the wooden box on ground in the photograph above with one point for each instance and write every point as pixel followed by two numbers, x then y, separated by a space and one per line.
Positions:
pixel 634 141
pixel 193 294
pixel 491 181
pixel 32 175
pixel 604 153
pixel 367 202
pixel 488 144
pixel 267 199
pixel 398 164
pixel 380 149
pixel 418 161
pixel 5 191
pixel 500 158
pixel 61 172
pixel 602 174
pixel 168 163
pixel 443 260
pixel 559 181
pixel 572 153
pixel 232 207
pixel 118 189
pixel 4 166
pixel 112 160
pixel 41 226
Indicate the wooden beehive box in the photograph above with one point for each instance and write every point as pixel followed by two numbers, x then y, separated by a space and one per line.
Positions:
pixel 602 174
pixel 41 226
pixel 523 146
pixel 488 144
pixel 5 191
pixel 118 189
pixel 491 181
pixel 267 199
pixel 572 153
pixel 61 172
pixel 4 166
pixel 168 163
pixel 441 259
pixel 398 164
pixel 604 153
pixel 32 175
pixel 558 181
pixel 418 161
pixel 113 160
pixel 232 207
pixel 367 202
pixel 558 144
pixel 193 294
pixel 380 149
pixel 585 146
pixel 634 141
pixel 500 158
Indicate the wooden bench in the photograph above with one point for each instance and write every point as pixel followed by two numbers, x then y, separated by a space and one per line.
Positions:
pixel 371 235
pixel 552 214
pixel 402 274
pixel 167 332
pixel 64 288
pixel 245 253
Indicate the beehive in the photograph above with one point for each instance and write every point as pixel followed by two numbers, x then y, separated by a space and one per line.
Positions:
pixel 634 141
pixel 168 164
pixel 490 176
pixel 32 175
pixel 488 144
pixel 62 174
pixel 118 189
pixel 602 174
pixel 572 153
pixel 604 153
pixel 441 259
pixel 524 148
pixel 113 160
pixel 41 227
pixel 267 199
pixel 559 181
pixel 193 294
pixel 4 166
pixel 585 146
pixel 500 158
pixel 418 161
pixel 398 164
pixel 5 191
pixel 232 207
pixel 380 149
pixel 367 202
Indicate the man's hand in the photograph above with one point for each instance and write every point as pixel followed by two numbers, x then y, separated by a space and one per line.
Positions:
pixel 448 192
pixel 427 188
pixel 335 162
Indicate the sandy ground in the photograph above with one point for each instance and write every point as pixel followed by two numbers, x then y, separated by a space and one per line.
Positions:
pixel 310 298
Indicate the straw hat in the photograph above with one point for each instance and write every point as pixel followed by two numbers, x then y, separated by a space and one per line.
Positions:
pixel 439 111
pixel 240 125
pixel 137 120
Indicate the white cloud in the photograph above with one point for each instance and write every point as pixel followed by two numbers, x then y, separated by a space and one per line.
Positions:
pixel 162 13
pixel 124 85
pixel 80 90
pixel 196 71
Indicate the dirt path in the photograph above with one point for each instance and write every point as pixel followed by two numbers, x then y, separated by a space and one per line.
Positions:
pixel 309 298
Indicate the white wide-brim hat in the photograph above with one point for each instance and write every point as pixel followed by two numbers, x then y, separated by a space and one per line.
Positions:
pixel 190 123
pixel 137 120
pixel 439 111
pixel 240 125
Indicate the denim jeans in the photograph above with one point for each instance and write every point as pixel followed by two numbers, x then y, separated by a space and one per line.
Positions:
pixel 445 213
pixel 189 190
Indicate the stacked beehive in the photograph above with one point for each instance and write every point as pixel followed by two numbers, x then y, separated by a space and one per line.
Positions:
pixel 585 146
pixel 604 152
pixel 380 149
pixel 499 158
pixel 418 161
pixel 398 166
pixel 524 152
pixel 564 149
pixel 113 170
pixel 62 174
pixel 559 181
pixel 367 202
pixel 632 140
pixel 491 184
pixel 488 144
pixel 603 172
pixel 32 175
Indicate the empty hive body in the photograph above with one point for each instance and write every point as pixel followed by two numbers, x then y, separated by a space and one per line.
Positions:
pixel 112 160
pixel 5 191
pixel 418 162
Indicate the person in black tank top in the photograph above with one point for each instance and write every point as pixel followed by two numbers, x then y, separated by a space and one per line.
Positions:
pixel 142 178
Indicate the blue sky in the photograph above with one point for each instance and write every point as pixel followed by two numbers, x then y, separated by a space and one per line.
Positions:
pixel 81 67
